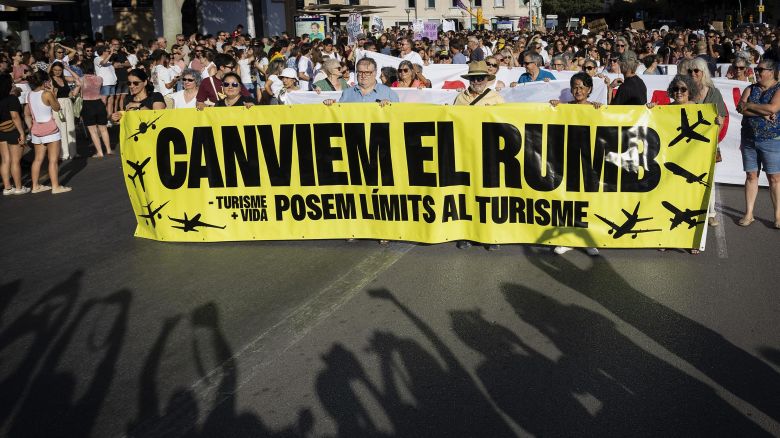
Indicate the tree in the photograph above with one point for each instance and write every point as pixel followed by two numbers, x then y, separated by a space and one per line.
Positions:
pixel 571 8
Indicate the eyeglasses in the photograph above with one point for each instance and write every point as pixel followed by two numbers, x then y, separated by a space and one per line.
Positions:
pixel 679 90
pixel 231 84
pixel 589 67
pixel 529 62
pixel 492 64
pixel 693 70
pixel 368 72
pixel 558 65
pixel 740 68
pixel 188 79
pixel 759 70
pixel 479 78
pixel 401 69
pixel 135 83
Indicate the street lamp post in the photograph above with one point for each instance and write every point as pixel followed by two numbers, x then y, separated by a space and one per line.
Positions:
pixel 408 23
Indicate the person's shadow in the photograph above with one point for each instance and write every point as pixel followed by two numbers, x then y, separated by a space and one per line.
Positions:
pixel 736 370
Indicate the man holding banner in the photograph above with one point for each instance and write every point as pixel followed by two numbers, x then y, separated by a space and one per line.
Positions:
pixel 478 94
pixel 367 89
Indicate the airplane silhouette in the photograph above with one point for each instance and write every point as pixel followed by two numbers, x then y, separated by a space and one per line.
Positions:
pixel 690 178
pixel 150 216
pixel 139 171
pixel 190 224
pixel 143 127
pixel 627 227
pixel 688 216
pixel 687 131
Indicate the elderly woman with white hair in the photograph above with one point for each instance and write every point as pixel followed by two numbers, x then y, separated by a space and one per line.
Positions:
pixel 697 69
pixel 333 77
pixel 186 97
pixel 631 90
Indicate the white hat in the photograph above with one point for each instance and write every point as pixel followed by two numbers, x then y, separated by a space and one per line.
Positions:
pixel 289 73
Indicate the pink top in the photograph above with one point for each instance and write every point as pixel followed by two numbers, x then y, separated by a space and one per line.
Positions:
pixel 415 84
pixel 90 87
pixel 18 73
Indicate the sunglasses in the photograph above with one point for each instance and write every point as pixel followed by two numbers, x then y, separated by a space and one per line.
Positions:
pixel 135 83
pixel 404 69
pixel 613 60
pixel 188 79
pixel 693 70
pixel 229 66
pixel 620 45
pixel 759 70
pixel 740 68
pixel 491 64
pixel 527 62
pixel 679 90
pixel 231 84
pixel 479 78
pixel 589 67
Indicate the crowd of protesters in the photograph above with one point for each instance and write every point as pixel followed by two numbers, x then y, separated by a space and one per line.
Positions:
pixel 94 81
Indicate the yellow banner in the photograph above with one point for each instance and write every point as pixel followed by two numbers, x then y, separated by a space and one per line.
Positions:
pixel 621 176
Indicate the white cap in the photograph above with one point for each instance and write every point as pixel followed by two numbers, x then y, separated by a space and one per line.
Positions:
pixel 289 73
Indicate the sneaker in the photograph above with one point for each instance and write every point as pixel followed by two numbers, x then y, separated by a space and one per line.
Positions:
pixel 60 189
pixel 592 251
pixel 463 244
pixel 561 249
pixel 492 247
pixel 22 191
pixel 713 221
pixel 9 191
pixel 41 188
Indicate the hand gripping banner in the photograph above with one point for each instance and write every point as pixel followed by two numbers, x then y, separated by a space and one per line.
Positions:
pixel 568 175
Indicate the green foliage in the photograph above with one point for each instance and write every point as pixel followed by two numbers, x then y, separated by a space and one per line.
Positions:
pixel 571 8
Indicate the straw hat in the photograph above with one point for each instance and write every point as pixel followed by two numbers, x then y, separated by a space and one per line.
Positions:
pixel 478 68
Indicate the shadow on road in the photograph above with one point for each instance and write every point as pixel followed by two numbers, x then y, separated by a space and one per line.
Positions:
pixel 38 398
pixel 214 400
pixel 736 370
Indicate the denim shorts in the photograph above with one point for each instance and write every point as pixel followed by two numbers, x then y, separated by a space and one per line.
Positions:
pixel 107 90
pixel 765 154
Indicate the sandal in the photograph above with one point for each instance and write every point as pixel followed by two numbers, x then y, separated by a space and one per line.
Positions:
pixel 41 188
pixel 777 225
pixel 96 156
pixel 744 222
pixel 60 189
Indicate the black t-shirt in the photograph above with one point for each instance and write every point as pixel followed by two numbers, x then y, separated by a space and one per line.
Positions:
pixel 63 91
pixel 147 103
pixel 8 104
pixel 121 72
pixel 240 102
pixel 632 92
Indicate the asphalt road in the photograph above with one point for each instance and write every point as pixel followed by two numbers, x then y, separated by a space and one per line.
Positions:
pixel 103 334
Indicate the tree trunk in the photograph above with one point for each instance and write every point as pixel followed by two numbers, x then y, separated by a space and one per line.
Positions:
pixel 171 13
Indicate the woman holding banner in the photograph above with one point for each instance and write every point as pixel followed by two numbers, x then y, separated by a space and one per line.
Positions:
pixel 681 90
pixel 333 80
pixel 759 106
pixel 142 95
pixel 698 70
pixel 581 85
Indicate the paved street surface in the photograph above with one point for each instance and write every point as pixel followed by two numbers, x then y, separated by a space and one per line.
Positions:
pixel 106 335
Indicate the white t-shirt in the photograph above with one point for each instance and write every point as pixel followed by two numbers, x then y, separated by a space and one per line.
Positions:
pixel 276 85
pixel 245 71
pixel 305 66
pixel 180 102
pixel 334 55
pixel 413 57
pixel 132 59
pixel 106 72
pixel 205 73
pixel 162 76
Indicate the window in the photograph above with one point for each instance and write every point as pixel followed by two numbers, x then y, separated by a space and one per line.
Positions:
pixel 499 3
pixel 431 4
pixel 353 2
pixel 455 3
pixel 477 3
pixel 411 3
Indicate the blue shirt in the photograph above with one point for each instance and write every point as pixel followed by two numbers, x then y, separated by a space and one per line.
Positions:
pixel 379 93
pixel 460 58
pixel 543 74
